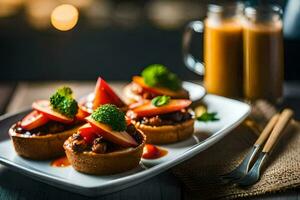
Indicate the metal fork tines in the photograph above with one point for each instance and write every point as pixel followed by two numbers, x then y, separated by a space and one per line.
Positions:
pixel 254 174
pixel 243 168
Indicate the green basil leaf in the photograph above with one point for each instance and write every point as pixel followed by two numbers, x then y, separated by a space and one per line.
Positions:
pixel 160 100
pixel 206 117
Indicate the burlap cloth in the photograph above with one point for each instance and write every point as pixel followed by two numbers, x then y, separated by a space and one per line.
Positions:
pixel 282 170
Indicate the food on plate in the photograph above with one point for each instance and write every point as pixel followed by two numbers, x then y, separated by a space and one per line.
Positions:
pixel 208 117
pixel 107 144
pixel 155 80
pixel 153 152
pixel 103 94
pixel 163 120
pixel 41 133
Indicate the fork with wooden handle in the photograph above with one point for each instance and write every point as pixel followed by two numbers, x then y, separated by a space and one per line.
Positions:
pixel 254 174
pixel 243 168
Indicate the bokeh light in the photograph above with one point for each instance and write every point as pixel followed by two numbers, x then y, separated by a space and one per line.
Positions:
pixel 64 17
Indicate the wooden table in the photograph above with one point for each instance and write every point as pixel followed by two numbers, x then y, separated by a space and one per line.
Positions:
pixel 164 186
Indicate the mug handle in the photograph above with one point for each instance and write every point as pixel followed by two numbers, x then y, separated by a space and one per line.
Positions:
pixel 190 62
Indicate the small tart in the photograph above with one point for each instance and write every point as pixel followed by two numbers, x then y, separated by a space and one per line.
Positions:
pixel 105 163
pixel 135 93
pixel 41 147
pixel 167 133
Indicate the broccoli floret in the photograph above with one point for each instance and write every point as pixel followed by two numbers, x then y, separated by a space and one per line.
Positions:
pixel 111 115
pixel 63 102
pixel 159 76
pixel 65 91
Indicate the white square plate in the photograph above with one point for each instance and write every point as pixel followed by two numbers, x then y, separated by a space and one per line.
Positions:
pixel 230 112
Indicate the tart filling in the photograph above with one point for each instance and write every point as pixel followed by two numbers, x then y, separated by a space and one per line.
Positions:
pixel 172 118
pixel 163 120
pixel 155 80
pixel 107 144
pixel 40 147
pixel 116 159
pixel 99 144
pixel 41 133
pixel 51 127
pixel 136 92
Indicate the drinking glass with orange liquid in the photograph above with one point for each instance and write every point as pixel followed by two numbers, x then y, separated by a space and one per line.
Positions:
pixel 223 49
pixel 263 53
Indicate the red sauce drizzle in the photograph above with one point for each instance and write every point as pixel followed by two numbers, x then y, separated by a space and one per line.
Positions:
pixel 61 162
pixel 153 152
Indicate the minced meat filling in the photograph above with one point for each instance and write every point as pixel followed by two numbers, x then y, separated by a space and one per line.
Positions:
pixel 166 119
pixel 50 127
pixel 100 145
pixel 137 89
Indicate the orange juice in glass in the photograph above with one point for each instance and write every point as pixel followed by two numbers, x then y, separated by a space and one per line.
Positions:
pixel 223 50
pixel 263 53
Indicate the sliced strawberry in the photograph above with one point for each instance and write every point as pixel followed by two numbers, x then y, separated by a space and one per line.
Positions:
pixel 148 109
pixel 120 138
pixel 157 90
pixel 104 94
pixel 44 107
pixel 33 120
pixel 88 133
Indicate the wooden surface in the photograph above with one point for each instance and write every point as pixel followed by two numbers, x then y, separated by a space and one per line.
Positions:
pixel 165 186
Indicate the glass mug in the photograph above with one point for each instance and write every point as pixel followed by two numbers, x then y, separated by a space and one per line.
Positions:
pixel 263 53
pixel 223 50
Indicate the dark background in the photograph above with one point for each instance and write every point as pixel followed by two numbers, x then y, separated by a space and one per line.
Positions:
pixel 113 39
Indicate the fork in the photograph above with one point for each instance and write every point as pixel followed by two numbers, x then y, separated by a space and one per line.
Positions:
pixel 242 169
pixel 254 174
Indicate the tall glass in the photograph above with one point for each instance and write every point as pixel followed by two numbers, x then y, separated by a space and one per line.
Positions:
pixel 223 49
pixel 263 53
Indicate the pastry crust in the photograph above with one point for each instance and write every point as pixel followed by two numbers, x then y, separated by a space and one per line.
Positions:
pixel 132 97
pixel 168 133
pixel 107 163
pixel 42 147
